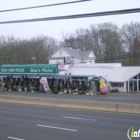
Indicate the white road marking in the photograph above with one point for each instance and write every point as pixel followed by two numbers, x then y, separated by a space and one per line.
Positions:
pixel 14 138
pixel 81 99
pixel 57 127
pixel 78 118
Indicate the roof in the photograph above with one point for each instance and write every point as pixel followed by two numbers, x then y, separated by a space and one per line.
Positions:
pixel 113 74
pixel 88 71
pixel 75 53
pixel 123 73
pixel 85 54
pixel 99 65
pixel 78 53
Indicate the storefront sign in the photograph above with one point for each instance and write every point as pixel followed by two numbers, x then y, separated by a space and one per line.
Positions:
pixel 29 69
pixel 67 60
pixel 61 66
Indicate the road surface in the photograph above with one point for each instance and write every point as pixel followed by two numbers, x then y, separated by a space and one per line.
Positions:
pixel 18 122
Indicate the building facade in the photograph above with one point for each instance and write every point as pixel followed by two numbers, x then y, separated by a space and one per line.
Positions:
pixel 74 55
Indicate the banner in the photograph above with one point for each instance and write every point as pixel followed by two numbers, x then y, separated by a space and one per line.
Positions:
pixel 44 82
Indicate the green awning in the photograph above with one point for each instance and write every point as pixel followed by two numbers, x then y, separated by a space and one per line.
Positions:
pixel 30 69
pixel 98 78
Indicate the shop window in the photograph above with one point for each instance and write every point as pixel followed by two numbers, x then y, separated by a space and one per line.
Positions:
pixel 117 84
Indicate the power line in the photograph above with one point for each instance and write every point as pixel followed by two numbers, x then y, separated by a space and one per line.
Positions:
pixel 107 13
pixel 33 27
pixel 41 6
pixel 119 57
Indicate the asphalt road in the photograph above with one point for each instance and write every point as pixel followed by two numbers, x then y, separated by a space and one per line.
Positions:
pixel 133 98
pixel 19 122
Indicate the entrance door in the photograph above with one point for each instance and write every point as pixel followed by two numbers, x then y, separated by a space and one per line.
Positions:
pixel 133 86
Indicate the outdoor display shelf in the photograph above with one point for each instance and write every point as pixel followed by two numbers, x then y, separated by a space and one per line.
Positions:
pixel 69 84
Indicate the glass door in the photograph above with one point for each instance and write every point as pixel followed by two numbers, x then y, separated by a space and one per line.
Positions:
pixel 133 85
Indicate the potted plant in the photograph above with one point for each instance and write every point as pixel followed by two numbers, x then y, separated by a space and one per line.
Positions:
pixel 60 91
pixel 25 89
pixel 49 91
pixel 32 88
pixel 19 88
pixel 79 89
pixel 14 88
pixel 0 87
pixel 55 88
pixel 8 85
pixel 3 87
pixel 75 91
pixel 70 90
pixel 65 91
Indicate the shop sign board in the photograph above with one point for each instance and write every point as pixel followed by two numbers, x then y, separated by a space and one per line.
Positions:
pixel 67 60
pixel 61 66
pixel 29 69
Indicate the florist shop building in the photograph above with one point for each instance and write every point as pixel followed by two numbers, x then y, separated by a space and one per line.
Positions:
pixel 41 77
pixel 26 77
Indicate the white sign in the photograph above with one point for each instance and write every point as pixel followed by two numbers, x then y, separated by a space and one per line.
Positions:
pixel 68 60
pixel 61 66
pixel 44 82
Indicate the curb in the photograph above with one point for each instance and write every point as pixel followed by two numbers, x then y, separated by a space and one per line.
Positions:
pixel 73 104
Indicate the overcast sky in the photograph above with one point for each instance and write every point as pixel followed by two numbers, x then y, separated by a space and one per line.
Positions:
pixel 56 28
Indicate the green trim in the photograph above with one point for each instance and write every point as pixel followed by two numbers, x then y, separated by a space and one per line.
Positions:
pixel 97 78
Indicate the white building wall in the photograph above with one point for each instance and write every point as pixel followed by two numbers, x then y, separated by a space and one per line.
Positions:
pixel 91 55
pixel 125 88
pixel 57 54
pixel 55 61
pixel 76 60
pixel 120 89
pixel 89 60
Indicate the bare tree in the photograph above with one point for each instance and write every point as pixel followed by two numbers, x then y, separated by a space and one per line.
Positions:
pixel 104 40
pixel 131 41
pixel 34 50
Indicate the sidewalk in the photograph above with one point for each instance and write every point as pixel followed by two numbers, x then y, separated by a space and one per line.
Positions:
pixel 134 95
pixel 116 102
pixel 133 98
